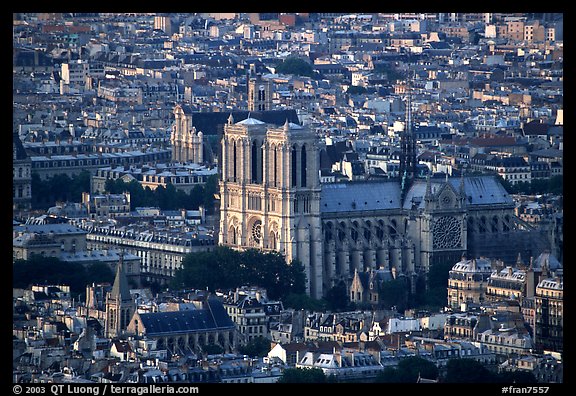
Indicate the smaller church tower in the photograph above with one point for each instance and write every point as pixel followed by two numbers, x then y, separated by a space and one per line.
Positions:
pixel 119 304
pixel 259 94
pixel 187 142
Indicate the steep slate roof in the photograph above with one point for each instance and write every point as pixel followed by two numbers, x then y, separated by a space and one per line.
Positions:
pixel 18 147
pixel 194 320
pixel 359 196
pixel 480 190
pixel 120 289
pixel 483 190
pixel 212 123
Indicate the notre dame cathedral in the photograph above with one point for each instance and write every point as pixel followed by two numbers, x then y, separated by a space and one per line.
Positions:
pixel 272 199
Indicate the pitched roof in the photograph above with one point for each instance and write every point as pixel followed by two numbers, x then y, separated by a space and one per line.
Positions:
pixel 18 148
pixel 212 123
pixel 120 289
pixel 360 196
pixel 213 317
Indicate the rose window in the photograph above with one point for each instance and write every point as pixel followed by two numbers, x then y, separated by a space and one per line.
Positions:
pixel 446 232
pixel 257 232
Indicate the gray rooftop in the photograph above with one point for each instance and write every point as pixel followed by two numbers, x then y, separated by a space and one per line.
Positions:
pixel 194 320
pixel 359 196
pixel 62 228
pixel 385 195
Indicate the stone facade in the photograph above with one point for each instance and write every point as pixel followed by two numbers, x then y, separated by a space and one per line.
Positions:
pixel 187 143
pixel 272 199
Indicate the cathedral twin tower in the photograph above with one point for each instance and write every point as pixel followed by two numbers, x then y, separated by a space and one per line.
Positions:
pixel 271 199
pixel 270 193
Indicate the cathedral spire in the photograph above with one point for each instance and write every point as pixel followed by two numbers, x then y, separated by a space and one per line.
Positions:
pixel 407 146
pixel 120 289
pixel 428 194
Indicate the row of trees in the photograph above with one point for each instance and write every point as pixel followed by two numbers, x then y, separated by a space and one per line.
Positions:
pixel 410 369
pixel 53 271
pixel 61 187
pixel 553 185
pixel 224 269
pixel 167 198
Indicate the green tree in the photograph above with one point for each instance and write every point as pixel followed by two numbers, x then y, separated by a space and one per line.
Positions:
pixel 213 349
pixel 295 65
pixel 337 297
pixel 257 347
pixel 394 293
pixel 51 270
pixel 303 301
pixel 408 371
pixel 60 187
pixel 204 270
pixel 224 268
pixel 434 295
pixel 302 375
pixel 468 371
pixel 210 188
pixel 355 90
pixel 517 377
pixel 389 375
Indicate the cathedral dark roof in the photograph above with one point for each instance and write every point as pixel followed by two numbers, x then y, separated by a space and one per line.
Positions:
pixel 213 317
pixel 385 194
pixel 18 148
pixel 483 190
pixel 212 123
pixel 360 196
pixel 479 190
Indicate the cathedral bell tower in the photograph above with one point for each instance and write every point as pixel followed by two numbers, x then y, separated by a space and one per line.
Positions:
pixel 187 143
pixel 119 304
pixel 270 193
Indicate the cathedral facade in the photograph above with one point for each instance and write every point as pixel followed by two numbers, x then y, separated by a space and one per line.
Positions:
pixel 272 199
pixel 187 143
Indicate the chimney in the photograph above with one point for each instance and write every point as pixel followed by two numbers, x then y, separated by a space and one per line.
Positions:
pixel 337 356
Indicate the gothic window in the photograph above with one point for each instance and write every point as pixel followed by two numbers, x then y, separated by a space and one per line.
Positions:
pixel 275 155
pixel 273 241
pixel 257 232
pixel 505 223
pixel 234 161
pixel 446 233
pixel 232 236
pixel 254 163
pixel 380 230
pixel 260 173
pixel 446 200
pixel 294 163
pixel 482 225
pixel 354 234
pixel 342 232
pixel 367 233
pixel 303 167
pixel 495 224
pixel 471 225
